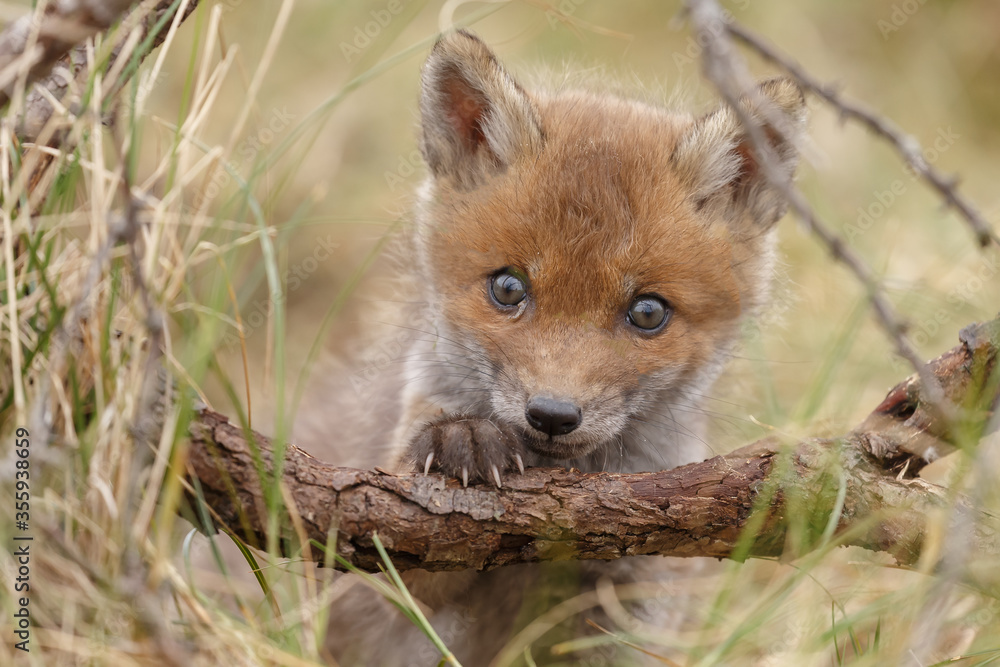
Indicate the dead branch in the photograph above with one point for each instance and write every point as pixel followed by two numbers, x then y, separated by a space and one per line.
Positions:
pixel 144 29
pixel 727 71
pixel 703 509
pixel 904 144
pixel 31 45
pixel 66 62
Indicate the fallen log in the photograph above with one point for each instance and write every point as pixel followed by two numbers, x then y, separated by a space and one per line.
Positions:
pixel 859 489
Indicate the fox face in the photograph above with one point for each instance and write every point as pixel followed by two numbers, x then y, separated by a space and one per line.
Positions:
pixel 586 261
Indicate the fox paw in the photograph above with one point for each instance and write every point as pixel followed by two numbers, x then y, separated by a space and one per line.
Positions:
pixel 469 448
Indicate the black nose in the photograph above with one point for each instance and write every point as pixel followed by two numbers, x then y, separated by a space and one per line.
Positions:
pixel 552 416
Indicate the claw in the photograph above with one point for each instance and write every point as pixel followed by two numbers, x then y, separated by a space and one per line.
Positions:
pixel 496 476
pixel 520 463
pixel 428 462
pixel 465 476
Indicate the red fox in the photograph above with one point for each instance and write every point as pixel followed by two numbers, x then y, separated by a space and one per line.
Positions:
pixel 580 268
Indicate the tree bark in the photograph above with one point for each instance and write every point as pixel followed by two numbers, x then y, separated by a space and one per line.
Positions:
pixel 59 58
pixel 42 39
pixel 734 505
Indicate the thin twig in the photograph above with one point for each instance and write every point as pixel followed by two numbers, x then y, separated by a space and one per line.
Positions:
pixel 728 72
pixel 906 145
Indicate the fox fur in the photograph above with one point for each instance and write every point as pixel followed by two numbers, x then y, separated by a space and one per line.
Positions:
pixel 607 212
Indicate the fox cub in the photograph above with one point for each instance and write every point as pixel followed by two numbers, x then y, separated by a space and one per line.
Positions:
pixel 581 264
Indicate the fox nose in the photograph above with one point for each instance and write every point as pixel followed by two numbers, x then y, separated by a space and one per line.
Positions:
pixel 552 416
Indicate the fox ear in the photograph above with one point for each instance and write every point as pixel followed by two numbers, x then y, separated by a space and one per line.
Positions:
pixel 716 161
pixel 476 120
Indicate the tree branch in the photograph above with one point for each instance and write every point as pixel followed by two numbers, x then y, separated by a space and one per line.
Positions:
pixel 904 144
pixel 65 58
pixel 703 509
pixel 727 70
pixel 33 44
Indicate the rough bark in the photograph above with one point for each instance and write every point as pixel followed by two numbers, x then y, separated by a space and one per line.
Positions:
pixel 57 69
pixel 58 59
pixel 702 509
pixel 36 42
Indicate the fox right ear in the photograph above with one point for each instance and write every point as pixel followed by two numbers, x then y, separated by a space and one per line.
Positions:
pixel 476 120
pixel 717 162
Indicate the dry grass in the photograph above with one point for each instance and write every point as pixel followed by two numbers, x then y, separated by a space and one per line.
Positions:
pixel 244 147
pixel 129 251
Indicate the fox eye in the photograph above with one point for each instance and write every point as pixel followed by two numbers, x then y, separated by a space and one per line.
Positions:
pixel 507 289
pixel 648 312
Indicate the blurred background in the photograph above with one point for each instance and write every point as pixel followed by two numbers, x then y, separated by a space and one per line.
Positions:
pixel 325 167
pixel 342 86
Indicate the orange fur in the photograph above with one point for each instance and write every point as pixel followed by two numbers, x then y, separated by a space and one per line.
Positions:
pixel 595 201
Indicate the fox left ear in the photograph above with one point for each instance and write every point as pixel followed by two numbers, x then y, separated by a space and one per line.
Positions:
pixel 475 119
pixel 716 160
